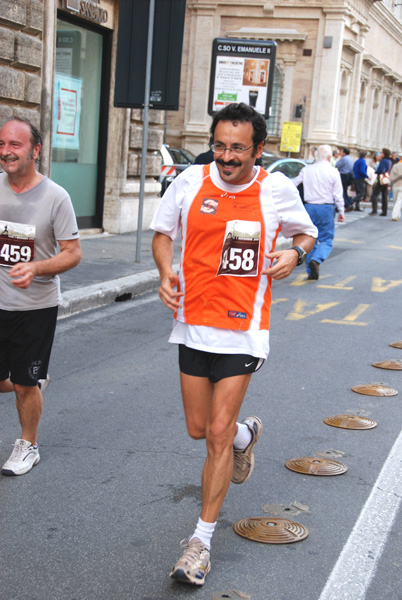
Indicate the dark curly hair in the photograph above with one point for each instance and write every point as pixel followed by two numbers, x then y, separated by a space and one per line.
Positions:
pixel 244 114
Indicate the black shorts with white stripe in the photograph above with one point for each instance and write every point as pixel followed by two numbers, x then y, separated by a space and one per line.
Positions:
pixel 216 366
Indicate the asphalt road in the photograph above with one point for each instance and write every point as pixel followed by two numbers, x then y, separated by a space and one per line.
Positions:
pixel 118 484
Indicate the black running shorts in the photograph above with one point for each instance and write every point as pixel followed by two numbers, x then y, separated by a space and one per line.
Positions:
pixel 216 366
pixel 26 339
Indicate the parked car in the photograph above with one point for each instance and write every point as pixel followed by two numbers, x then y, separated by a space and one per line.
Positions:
pixel 174 161
pixel 290 167
pixel 267 154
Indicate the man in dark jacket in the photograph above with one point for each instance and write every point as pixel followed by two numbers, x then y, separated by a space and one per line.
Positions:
pixel 345 168
pixel 360 176
pixel 381 186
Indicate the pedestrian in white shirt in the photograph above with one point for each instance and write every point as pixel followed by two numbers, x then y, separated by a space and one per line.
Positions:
pixel 323 191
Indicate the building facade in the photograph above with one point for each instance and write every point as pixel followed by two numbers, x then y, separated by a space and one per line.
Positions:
pixel 337 70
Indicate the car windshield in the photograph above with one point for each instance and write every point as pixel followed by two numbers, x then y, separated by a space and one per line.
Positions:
pixel 290 169
pixel 189 155
pixel 180 156
pixel 268 160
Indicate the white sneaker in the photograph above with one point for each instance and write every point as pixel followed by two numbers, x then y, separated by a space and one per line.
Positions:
pixel 243 460
pixel 22 458
pixel 43 384
pixel 194 565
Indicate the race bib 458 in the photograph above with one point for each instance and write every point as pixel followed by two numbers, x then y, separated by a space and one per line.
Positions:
pixel 240 249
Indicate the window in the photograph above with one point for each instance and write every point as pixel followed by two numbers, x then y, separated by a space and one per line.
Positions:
pixel 274 122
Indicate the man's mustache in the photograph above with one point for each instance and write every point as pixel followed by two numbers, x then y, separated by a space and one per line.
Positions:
pixel 7 156
pixel 229 163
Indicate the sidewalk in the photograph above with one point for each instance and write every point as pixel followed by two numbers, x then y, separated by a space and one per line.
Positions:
pixel 109 273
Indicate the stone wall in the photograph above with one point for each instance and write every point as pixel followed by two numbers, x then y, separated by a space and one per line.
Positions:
pixel 122 184
pixel 21 27
pixel 154 142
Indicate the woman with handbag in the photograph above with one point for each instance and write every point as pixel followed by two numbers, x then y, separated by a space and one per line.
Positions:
pixel 383 181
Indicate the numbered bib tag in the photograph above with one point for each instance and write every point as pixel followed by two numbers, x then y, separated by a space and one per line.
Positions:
pixel 241 249
pixel 17 243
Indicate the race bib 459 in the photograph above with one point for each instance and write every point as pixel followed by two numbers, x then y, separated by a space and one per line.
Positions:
pixel 17 243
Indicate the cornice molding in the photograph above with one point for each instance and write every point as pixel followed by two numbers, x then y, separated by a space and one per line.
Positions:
pixel 370 59
pixel 261 33
pixel 382 68
pixel 353 46
pixel 206 8
pixel 387 20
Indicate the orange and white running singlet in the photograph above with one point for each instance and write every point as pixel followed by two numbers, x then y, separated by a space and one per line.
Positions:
pixel 223 247
pixel 226 231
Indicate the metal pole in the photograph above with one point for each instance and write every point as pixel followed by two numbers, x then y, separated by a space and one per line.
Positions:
pixel 145 126
pixel 165 127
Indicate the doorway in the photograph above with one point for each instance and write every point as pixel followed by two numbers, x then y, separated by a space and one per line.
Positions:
pixel 81 82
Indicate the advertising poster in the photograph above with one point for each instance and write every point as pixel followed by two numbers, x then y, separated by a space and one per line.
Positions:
pixel 242 71
pixel 291 136
pixel 67 112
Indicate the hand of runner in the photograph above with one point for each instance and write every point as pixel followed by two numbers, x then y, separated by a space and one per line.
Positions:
pixel 284 265
pixel 22 275
pixel 167 293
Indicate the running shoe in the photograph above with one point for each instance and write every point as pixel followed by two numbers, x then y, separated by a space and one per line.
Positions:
pixel 22 458
pixel 194 565
pixel 243 463
pixel 314 270
pixel 43 384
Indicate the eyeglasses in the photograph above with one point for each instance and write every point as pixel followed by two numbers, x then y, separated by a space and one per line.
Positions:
pixel 221 149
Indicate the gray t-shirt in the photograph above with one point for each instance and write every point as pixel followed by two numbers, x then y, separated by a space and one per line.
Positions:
pixel 30 225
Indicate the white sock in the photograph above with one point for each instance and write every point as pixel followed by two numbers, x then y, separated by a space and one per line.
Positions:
pixel 204 532
pixel 242 437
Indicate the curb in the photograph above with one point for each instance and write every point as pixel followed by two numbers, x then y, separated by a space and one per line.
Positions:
pixel 107 292
pixel 118 290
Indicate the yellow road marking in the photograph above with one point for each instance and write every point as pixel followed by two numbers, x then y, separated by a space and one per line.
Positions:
pixel 301 311
pixel 350 319
pixel 378 284
pixel 339 286
pixel 350 241
pixel 302 280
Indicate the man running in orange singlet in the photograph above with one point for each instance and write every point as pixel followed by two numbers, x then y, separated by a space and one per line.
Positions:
pixel 229 214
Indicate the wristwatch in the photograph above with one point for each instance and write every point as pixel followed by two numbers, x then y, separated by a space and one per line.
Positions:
pixel 302 254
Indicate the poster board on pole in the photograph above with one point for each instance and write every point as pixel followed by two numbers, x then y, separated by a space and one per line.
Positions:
pixel 242 71
pixel 131 56
pixel 291 136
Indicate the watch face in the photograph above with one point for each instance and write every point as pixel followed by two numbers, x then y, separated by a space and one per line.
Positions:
pixel 302 255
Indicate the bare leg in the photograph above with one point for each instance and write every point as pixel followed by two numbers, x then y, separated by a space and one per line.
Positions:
pixel 29 406
pixel 6 386
pixel 211 411
pixel 197 395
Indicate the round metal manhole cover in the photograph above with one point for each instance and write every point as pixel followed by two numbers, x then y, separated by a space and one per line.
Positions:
pixel 374 389
pixel 271 530
pixel 395 365
pixel 396 345
pixel 350 422
pixel 313 465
